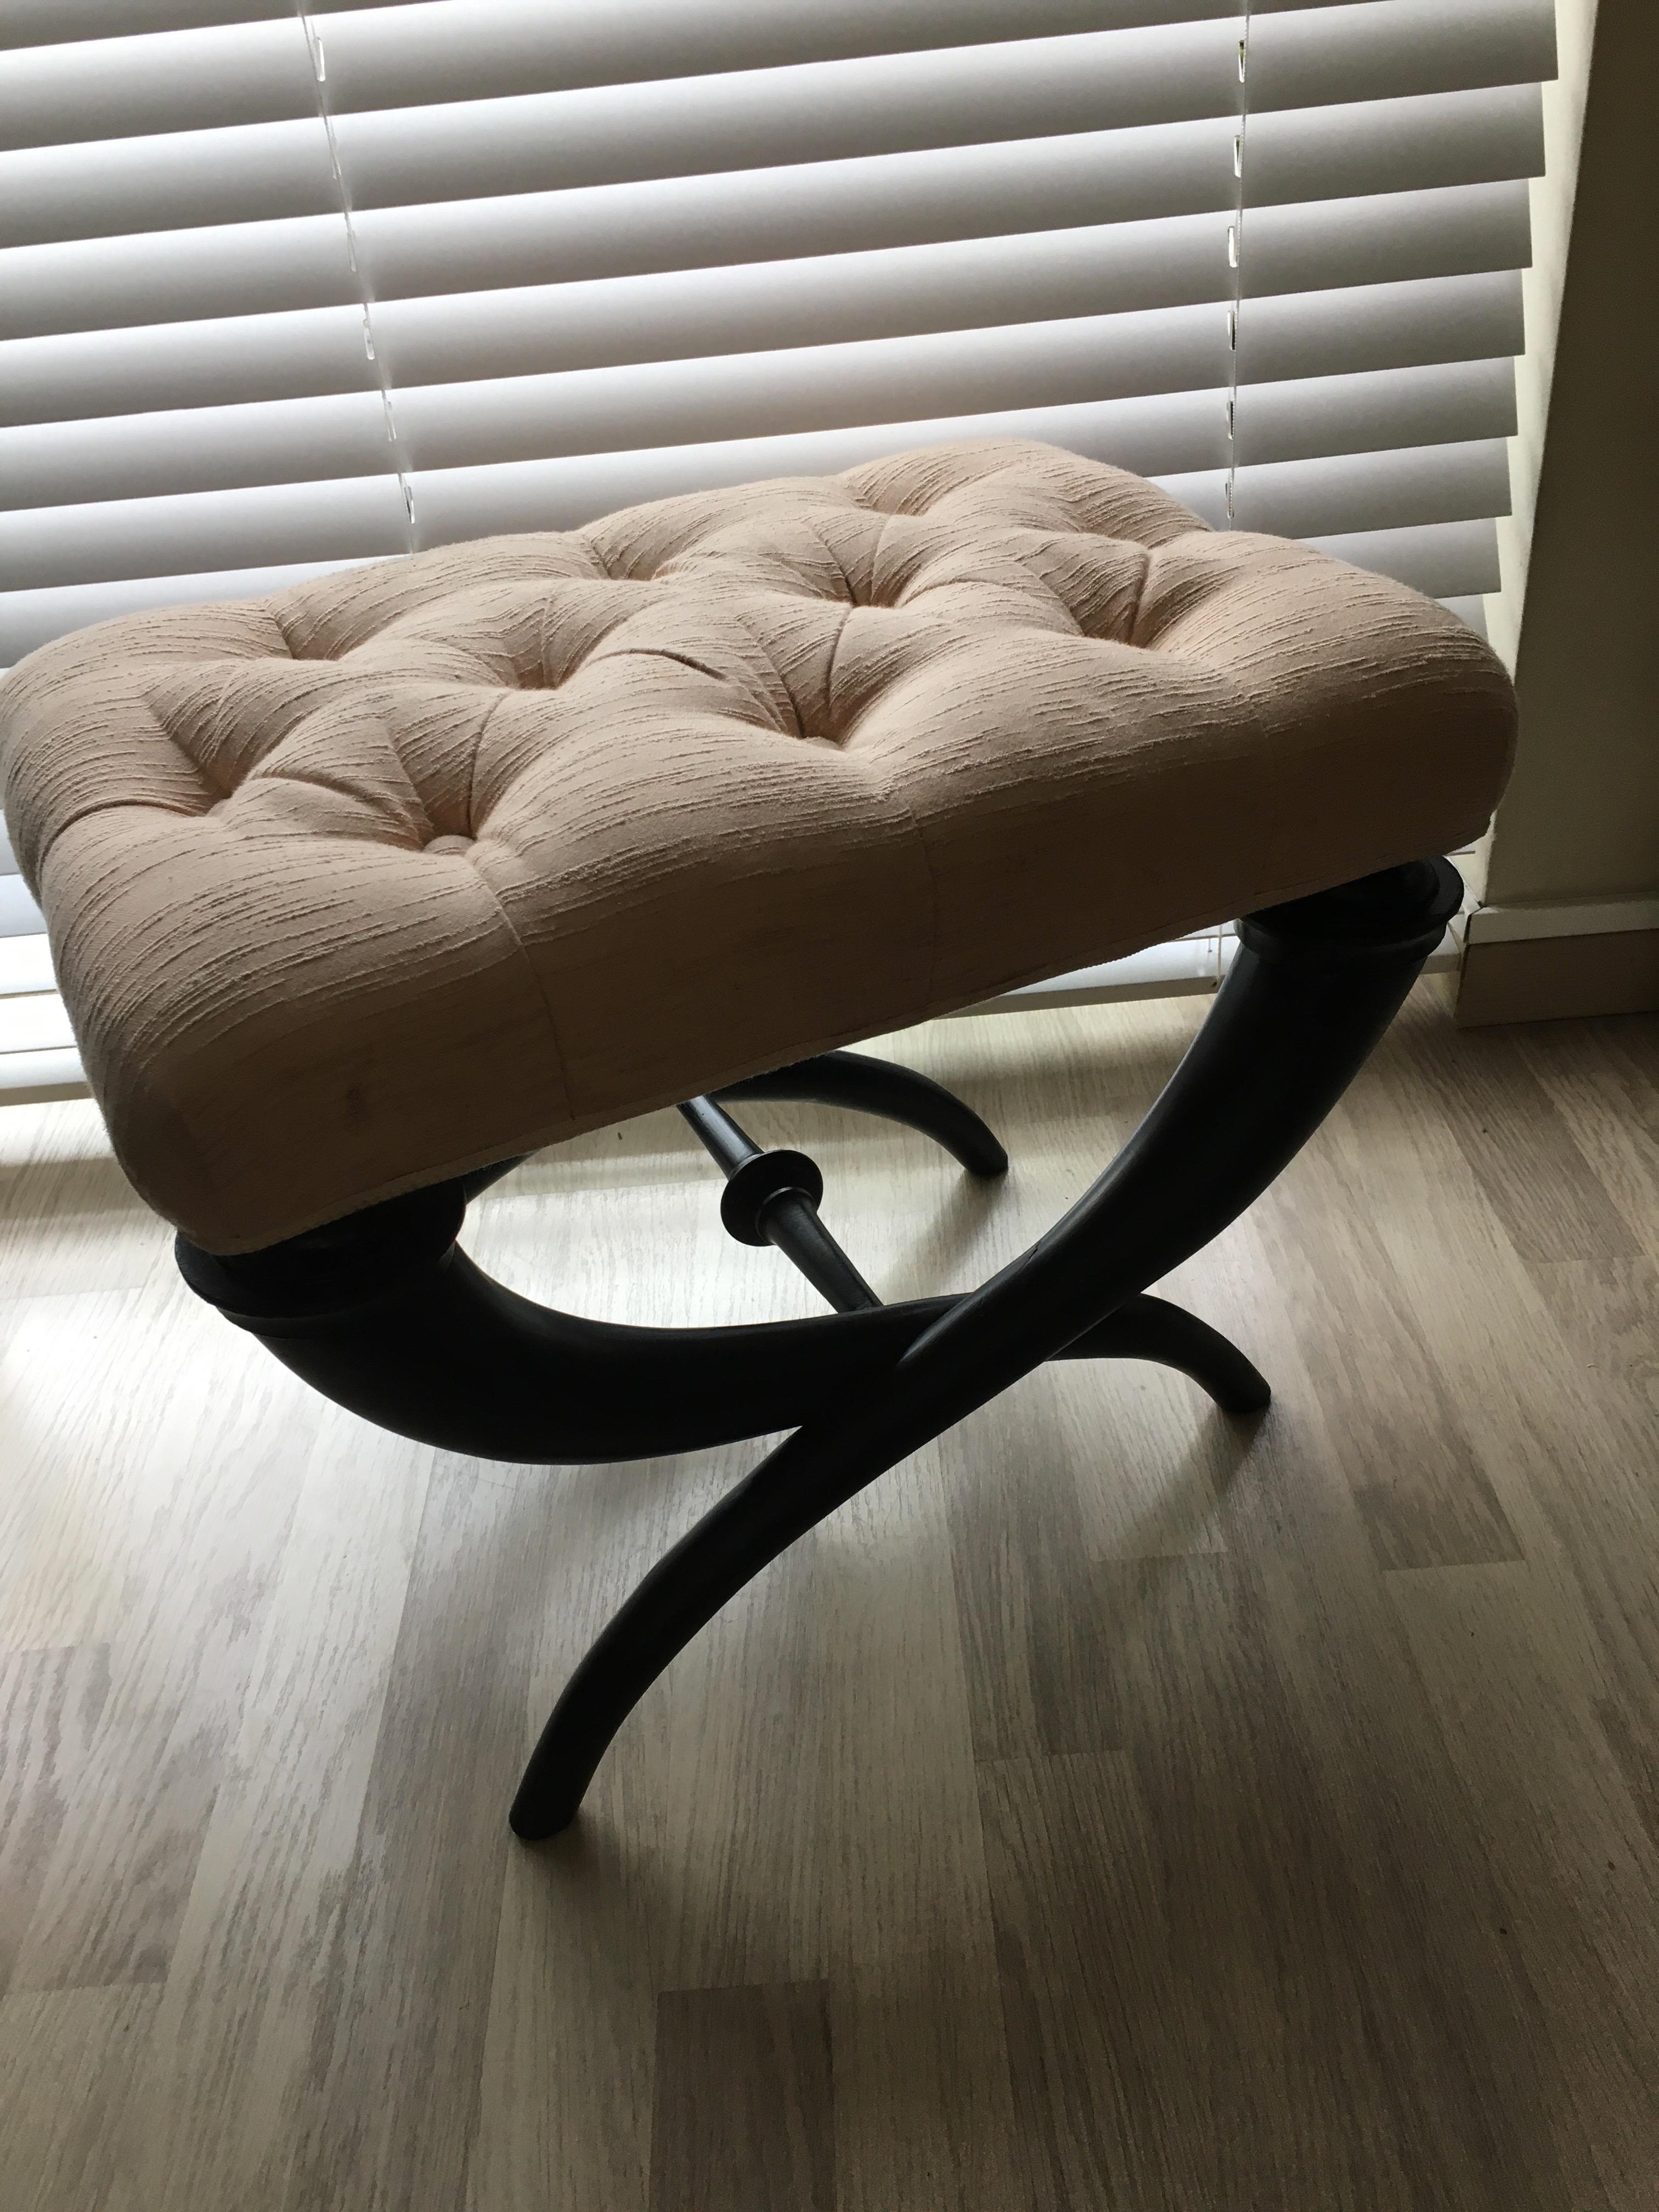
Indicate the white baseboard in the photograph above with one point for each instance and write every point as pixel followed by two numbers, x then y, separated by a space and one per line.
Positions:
pixel 1507 925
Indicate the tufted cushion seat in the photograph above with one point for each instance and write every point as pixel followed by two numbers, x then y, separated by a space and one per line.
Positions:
pixel 418 865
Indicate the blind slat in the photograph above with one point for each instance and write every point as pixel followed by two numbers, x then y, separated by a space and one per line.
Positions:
pixel 219 362
pixel 905 102
pixel 1179 430
pixel 806 387
pixel 1429 484
pixel 506 47
pixel 1307 57
pixel 265 525
pixel 35 1078
pixel 25 23
pixel 25 965
pixel 109 284
pixel 1470 610
pixel 34 617
pixel 754 119
pixel 902 290
pixel 163 77
pixel 274 441
pixel 1084 358
pixel 1171 435
pixel 1161 434
pixel 1386 238
pixel 812 208
pixel 46 23
pixel 109 186
pixel 35 1022
pixel 187 79
pixel 1312 498
pixel 19 915
pixel 626 247
pixel 1443 560
pixel 1394 145
pixel 1316 334
pixel 1301 418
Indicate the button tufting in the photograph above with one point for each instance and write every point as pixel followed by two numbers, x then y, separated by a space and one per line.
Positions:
pixel 1071 719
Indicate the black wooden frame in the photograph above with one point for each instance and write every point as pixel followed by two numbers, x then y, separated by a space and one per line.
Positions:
pixel 385 1313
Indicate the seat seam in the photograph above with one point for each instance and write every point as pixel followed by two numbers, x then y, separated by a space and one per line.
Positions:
pixel 920 834
pixel 821 538
pixel 555 1040
pixel 888 785
pixel 490 713
pixel 1134 629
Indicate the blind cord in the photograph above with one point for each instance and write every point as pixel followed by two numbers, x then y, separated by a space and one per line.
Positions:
pixel 1236 261
pixel 319 60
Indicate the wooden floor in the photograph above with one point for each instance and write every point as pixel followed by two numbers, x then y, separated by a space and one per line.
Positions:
pixel 1114 1806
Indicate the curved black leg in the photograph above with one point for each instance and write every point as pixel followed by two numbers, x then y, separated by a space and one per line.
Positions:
pixel 424 1343
pixel 804 1479
pixel 868 1085
pixel 786 1495
pixel 1313 987
pixel 386 1316
pixel 1169 1336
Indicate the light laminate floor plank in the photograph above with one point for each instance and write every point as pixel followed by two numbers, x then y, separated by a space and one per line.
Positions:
pixel 221 2088
pixel 67 2062
pixel 1113 1805
pixel 206 1476
pixel 390 2109
pixel 50 1702
pixel 744 2108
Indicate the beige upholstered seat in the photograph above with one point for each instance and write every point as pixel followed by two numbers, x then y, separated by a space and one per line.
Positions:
pixel 419 864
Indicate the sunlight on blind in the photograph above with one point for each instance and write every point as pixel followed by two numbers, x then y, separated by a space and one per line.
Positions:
pixel 281 292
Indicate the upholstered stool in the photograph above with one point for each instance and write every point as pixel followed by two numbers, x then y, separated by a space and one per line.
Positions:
pixel 360 892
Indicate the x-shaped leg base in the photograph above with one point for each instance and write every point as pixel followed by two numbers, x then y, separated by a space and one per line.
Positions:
pixel 385 1313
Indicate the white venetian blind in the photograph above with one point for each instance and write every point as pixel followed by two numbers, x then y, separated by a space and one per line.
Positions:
pixel 281 291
